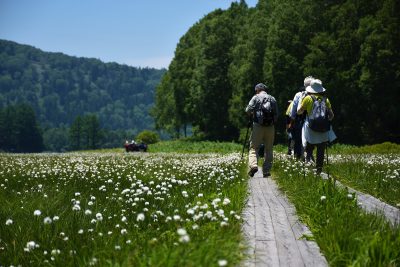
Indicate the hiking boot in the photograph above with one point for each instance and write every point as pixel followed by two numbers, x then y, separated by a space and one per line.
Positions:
pixel 253 171
pixel 267 175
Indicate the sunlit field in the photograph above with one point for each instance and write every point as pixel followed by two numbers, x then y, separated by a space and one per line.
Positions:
pixel 345 233
pixel 111 208
pixel 375 171
pixel 97 209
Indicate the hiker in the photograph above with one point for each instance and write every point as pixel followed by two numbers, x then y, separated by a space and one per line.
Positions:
pixel 264 111
pixel 289 127
pixel 317 125
pixel 297 120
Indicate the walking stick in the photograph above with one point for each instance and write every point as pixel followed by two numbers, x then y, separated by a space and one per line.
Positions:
pixel 245 140
pixel 327 164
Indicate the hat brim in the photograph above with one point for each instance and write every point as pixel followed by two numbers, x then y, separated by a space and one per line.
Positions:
pixel 315 90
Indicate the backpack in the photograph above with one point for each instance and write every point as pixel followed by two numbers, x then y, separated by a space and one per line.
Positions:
pixel 264 112
pixel 318 119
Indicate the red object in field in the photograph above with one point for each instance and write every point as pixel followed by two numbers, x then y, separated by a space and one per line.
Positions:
pixel 142 147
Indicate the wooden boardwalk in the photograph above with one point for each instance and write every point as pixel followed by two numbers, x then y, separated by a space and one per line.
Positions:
pixel 274 234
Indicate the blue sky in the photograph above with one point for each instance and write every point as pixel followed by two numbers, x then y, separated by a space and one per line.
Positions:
pixel 140 33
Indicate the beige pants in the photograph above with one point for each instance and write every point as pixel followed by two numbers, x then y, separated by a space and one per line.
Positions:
pixel 261 135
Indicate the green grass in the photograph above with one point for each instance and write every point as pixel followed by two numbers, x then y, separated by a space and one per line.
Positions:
pixel 346 235
pixel 195 147
pixel 383 148
pixel 203 194
pixel 187 181
pixel 186 146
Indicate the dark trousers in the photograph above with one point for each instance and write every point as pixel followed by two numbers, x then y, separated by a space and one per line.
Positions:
pixel 296 134
pixel 320 154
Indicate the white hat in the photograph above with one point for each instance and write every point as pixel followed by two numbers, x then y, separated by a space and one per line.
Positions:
pixel 307 80
pixel 315 87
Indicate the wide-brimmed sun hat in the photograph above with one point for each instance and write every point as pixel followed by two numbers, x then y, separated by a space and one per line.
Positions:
pixel 260 86
pixel 315 87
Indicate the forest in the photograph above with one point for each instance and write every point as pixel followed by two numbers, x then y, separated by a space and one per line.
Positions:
pixel 352 46
pixel 59 88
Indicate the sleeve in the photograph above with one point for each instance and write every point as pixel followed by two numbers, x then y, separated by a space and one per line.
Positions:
pixel 306 104
pixel 250 107
pixel 295 102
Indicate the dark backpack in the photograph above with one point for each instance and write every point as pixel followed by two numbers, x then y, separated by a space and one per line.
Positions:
pixel 264 112
pixel 318 119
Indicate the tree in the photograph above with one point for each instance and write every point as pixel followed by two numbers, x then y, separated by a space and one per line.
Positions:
pixel 76 134
pixel 19 130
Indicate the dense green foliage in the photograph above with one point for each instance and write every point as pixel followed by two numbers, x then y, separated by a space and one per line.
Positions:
pixel 59 88
pixel 19 130
pixel 352 46
pixel 148 137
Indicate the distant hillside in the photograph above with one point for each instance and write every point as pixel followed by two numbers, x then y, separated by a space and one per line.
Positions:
pixel 60 87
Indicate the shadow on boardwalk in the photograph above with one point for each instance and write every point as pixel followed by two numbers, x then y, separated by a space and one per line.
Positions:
pixel 274 234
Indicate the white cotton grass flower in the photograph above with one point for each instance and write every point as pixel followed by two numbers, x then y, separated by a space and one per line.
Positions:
pixel 80 231
pixel 99 217
pixel 181 231
pixel 55 252
pixel 226 201
pixel 140 217
pixel 76 207
pixel 183 236
pixel 88 212
pixel 123 219
pixel 9 222
pixel 184 239
pixel 222 263
pixel 56 218
pixel 30 246
pixel 47 220
pixel 124 231
pixel 37 213
pixel 323 198
pixel 350 196
pixel 117 247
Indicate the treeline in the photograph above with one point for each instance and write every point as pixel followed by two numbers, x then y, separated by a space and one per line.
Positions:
pixel 59 88
pixel 352 46
pixel 19 130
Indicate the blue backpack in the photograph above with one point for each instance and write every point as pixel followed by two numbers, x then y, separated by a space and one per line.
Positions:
pixel 318 119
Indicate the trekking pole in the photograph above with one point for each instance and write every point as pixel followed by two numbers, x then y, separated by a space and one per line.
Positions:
pixel 245 141
pixel 327 163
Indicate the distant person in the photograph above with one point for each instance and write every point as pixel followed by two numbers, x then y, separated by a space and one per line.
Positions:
pixel 297 120
pixel 317 124
pixel 264 111
pixel 289 127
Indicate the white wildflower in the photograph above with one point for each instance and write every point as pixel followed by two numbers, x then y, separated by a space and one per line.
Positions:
pixel 222 263
pixel 47 220
pixel 37 213
pixel 9 221
pixel 140 217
